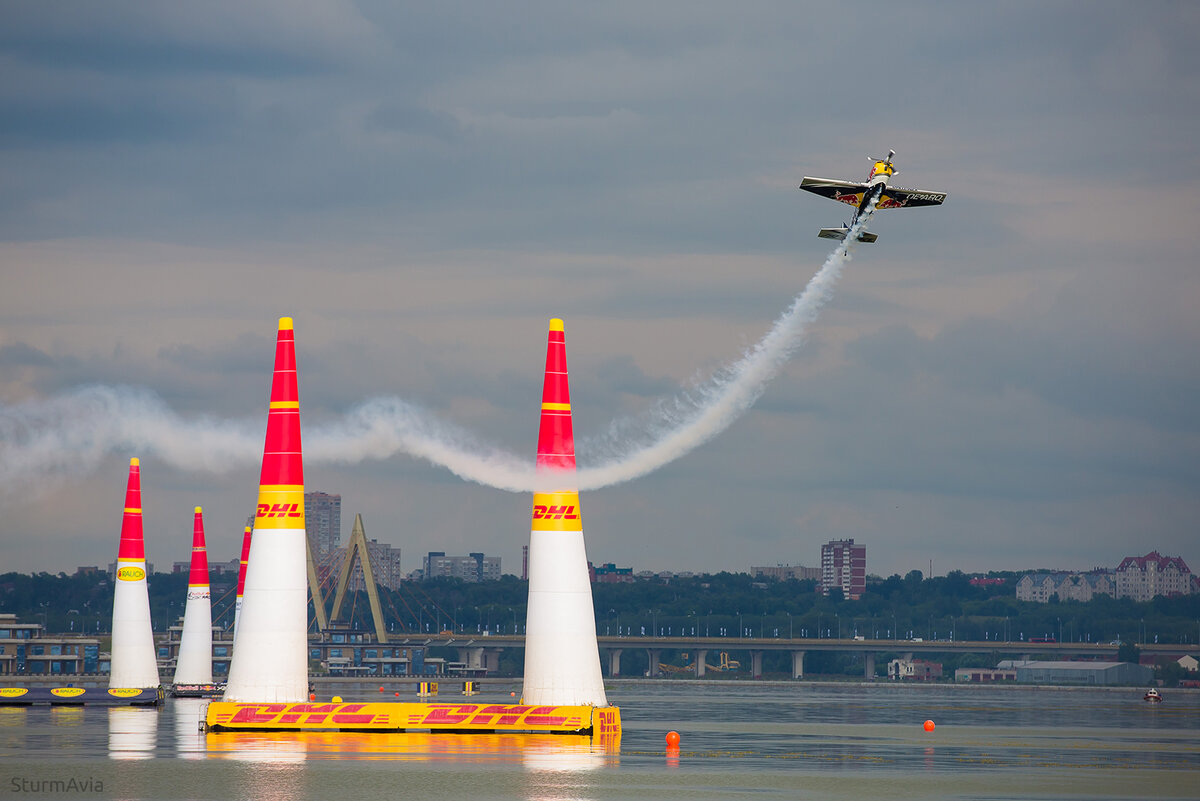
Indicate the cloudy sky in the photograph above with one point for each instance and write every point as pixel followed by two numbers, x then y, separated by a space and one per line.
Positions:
pixel 1007 381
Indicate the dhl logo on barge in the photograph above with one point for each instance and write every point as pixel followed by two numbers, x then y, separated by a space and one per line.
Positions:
pixel 227 716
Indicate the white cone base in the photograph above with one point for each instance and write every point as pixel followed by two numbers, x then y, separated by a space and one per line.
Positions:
pixel 562 657
pixel 194 663
pixel 270 647
pixel 134 662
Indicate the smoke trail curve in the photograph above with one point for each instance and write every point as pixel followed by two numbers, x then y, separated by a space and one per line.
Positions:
pixel 691 420
pixel 71 433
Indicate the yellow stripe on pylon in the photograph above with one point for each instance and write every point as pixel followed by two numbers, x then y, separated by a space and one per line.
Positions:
pixel 280 506
pixel 556 511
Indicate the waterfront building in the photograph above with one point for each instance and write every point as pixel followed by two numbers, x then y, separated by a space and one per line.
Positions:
pixel 844 565
pixel 1143 577
pixel 473 567
pixel 914 670
pixel 984 675
pixel 788 572
pixel 609 573
pixel 385 565
pixel 1040 587
pixel 1095 673
pixel 323 523
pixel 26 650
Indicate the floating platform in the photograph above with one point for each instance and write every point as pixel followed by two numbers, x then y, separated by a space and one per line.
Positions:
pixel 602 722
pixel 197 690
pixel 80 696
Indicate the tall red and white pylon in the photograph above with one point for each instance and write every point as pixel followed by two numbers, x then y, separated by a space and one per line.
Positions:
pixel 133 658
pixel 241 583
pixel 270 647
pixel 194 664
pixel 562 659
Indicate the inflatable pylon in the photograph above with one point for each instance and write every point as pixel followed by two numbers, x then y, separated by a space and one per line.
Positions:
pixel 194 663
pixel 270 646
pixel 562 659
pixel 241 582
pixel 133 664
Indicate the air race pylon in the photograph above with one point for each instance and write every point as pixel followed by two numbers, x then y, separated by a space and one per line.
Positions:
pixel 562 658
pixel 241 584
pixel 270 648
pixel 133 659
pixel 194 664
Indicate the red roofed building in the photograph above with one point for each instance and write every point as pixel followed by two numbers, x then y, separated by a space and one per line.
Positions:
pixel 1143 577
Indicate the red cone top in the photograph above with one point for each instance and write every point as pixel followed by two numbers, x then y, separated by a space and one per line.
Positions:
pixel 245 559
pixel 198 576
pixel 282 461
pixel 556 439
pixel 133 547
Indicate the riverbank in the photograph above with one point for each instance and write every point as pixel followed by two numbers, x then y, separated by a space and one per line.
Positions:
pixel 394 684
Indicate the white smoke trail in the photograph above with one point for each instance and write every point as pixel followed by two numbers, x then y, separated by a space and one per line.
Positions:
pixel 381 428
pixel 690 420
pixel 71 433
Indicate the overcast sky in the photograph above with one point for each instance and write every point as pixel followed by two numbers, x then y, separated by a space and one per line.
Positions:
pixel 1008 381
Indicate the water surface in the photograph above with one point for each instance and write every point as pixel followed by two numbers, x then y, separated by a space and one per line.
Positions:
pixel 738 740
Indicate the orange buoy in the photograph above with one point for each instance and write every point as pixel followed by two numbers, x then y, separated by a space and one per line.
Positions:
pixel 929 725
pixel 672 739
pixel 380 689
pixel 514 694
pixel 312 696
pixel 397 695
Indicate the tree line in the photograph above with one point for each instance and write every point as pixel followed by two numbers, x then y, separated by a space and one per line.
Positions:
pixel 730 605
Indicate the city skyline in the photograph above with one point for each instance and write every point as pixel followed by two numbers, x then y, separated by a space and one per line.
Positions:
pixel 998 382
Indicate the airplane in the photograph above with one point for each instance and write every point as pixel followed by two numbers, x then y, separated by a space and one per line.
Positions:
pixel 860 196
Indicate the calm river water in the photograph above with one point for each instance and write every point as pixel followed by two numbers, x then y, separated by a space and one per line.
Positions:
pixel 738 740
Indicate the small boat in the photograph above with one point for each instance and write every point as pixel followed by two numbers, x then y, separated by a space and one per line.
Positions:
pixel 1152 695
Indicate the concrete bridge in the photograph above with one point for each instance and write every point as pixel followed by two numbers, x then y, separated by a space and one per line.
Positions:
pixel 483 651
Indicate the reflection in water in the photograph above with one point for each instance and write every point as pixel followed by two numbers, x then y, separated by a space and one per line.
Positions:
pixel 132 732
pixel 266 747
pixel 63 716
pixel 535 751
pixel 552 763
pixel 189 740
pixel 12 728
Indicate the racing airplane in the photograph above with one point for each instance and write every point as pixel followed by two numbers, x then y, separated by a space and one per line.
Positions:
pixel 860 196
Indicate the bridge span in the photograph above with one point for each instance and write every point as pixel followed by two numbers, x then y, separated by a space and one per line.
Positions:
pixel 475 650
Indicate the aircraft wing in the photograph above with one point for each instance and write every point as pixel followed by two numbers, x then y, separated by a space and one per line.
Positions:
pixel 841 191
pixel 894 197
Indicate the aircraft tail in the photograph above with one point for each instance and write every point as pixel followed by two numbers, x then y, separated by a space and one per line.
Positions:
pixel 840 234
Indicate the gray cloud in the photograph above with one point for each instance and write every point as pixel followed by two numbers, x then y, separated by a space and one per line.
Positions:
pixel 1001 381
